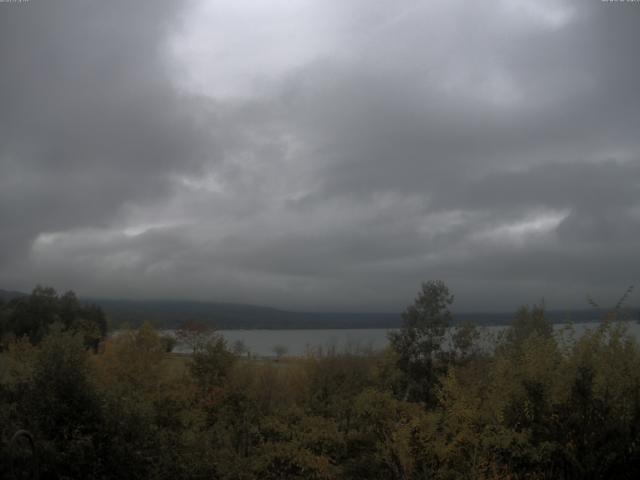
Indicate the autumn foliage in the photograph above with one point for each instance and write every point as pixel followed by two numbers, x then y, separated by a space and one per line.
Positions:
pixel 439 403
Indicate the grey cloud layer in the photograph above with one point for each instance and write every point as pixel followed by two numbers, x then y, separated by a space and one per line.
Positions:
pixel 493 146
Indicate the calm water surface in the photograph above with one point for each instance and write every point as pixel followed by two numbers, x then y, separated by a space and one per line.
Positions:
pixel 301 342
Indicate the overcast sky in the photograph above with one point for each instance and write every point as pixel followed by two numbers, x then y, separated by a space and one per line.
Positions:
pixel 319 154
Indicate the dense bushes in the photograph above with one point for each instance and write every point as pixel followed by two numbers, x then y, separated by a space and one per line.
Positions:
pixel 536 405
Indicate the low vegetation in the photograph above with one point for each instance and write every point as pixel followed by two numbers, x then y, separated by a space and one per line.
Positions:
pixel 537 405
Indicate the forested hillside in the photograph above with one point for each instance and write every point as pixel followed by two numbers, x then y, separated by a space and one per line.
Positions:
pixel 223 316
pixel 170 314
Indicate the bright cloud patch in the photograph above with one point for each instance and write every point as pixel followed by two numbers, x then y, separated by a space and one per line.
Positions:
pixel 532 228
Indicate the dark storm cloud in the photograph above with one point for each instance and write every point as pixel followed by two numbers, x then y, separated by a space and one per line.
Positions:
pixel 88 118
pixel 333 158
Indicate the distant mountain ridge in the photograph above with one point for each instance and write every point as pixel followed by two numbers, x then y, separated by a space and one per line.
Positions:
pixel 222 316
pixel 6 295
pixel 226 316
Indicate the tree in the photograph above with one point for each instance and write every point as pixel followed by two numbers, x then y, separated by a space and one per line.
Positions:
pixel 240 348
pixel 62 405
pixel 528 321
pixel 465 343
pixel 211 363
pixel 419 341
pixel 33 315
pixel 132 360
pixel 170 342
pixel 280 351
pixel 193 335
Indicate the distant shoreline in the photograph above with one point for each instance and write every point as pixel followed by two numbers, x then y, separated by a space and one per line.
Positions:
pixel 230 316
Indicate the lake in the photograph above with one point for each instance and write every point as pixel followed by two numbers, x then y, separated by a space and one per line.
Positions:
pixel 300 342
